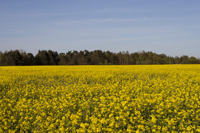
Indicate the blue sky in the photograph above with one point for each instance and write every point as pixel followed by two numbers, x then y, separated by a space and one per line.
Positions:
pixel 171 27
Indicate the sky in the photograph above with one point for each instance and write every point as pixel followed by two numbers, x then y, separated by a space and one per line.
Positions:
pixel 171 27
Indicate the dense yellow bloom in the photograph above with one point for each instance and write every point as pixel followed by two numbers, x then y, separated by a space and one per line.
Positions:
pixel 153 119
pixel 146 98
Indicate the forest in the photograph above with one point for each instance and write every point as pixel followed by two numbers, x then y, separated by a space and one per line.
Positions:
pixel 96 57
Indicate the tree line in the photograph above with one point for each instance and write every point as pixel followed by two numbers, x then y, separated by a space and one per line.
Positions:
pixel 96 57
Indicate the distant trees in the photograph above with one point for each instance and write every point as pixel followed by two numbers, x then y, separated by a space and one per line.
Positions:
pixel 184 59
pixel 11 58
pixel 2 60
pixel 96 57
pixel 193 60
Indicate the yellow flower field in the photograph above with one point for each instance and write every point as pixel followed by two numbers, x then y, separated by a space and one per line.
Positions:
pixel 59 99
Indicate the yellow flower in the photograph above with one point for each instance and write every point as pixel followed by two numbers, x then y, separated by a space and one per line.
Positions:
pixel 100 98
pixel 153 118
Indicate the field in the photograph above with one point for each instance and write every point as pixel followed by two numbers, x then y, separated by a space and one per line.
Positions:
pixel 146 98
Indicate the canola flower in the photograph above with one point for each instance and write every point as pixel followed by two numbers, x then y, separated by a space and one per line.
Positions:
pixel 131 99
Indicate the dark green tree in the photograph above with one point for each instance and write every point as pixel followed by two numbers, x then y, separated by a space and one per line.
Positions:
pixel 42 58
pixel 62 59
pixel 52 56
pixel 184 59
pixel 114 59
pixel 177 60
pixel 2 60
pixel 193 60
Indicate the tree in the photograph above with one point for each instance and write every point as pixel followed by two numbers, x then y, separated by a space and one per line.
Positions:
pixel 24 56
pixel 2 60
pixel 108 55
pixel 155 59
pixel 184 59
pixel 75 56
pixel 171 60
pixel 52 56
pixel 143 55
pixel 86 57
pixel 42 58
pixel 12 58
pixel 82 58
pixel 69 55
pixel 119 57
pixel 114 59
pixel 126 58
pixel 149 57
pixel 193 60
pixel 31 59
pixel 97 57
pixel 177 60
pixel 135 58
pixel 62 59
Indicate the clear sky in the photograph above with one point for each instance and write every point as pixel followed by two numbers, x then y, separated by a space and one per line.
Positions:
pixel 171 27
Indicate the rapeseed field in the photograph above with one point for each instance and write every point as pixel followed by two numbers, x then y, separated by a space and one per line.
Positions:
pixel 98 99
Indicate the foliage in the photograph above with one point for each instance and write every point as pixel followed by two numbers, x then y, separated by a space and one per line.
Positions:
pixel 96 57
pixel 147 98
